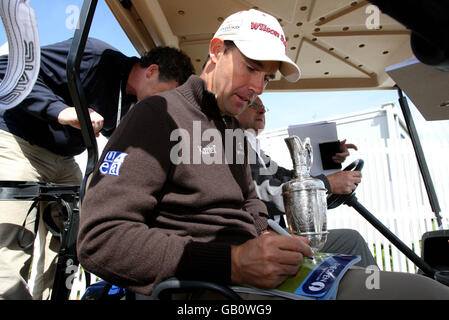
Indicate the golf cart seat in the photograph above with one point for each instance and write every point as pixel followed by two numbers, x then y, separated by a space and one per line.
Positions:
pixel 435 245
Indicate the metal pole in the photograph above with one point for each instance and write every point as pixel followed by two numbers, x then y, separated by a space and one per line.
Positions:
pixel 420 263
pixel 67 253
pixel 420 157
pixel 76 89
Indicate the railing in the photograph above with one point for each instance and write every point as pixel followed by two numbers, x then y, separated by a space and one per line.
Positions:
pixel 79 284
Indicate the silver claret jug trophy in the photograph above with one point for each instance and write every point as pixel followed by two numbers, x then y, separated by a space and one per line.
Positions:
pixel 304 196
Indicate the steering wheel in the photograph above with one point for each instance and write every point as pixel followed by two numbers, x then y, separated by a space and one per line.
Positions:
pixel 334 200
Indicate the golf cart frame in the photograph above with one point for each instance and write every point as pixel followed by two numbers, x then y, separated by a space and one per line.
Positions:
pixel 76 91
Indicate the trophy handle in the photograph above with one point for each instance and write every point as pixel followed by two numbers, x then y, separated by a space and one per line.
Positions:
pixel 309 150
pixel 301 154
pixel 294 145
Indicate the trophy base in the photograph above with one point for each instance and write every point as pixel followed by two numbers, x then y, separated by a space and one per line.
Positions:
pixel 317 239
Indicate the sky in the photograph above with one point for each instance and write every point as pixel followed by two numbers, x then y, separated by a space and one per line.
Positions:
pixel 56 22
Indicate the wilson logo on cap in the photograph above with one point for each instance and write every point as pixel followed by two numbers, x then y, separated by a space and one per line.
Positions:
pixel 264 27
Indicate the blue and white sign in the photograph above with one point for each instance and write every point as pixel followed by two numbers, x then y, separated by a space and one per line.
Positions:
pixel 322 282
pixel 112 163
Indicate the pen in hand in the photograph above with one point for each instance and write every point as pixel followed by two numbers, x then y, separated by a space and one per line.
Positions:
pixel 276 227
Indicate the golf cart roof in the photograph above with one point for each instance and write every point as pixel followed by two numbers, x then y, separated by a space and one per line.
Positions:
pixel 333 41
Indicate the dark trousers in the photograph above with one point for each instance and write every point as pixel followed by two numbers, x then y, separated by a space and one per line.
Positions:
pixel 348 241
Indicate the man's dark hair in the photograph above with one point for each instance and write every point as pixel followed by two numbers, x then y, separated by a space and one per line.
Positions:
pixel 173 63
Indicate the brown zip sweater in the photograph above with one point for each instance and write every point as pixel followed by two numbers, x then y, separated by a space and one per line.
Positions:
pixel 146 217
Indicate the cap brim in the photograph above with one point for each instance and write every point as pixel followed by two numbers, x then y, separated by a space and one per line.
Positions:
pixel 289 70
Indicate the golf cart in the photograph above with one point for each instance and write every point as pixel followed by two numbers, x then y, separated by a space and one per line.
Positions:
pixel 329 39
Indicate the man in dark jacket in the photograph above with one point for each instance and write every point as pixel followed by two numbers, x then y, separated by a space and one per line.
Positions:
pixel 269 177
pixel 40 137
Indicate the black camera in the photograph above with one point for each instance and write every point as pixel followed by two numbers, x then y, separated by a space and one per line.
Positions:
pixel 429 24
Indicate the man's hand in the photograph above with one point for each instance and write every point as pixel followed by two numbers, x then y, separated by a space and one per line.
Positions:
pixel 344 151
pixel 344 182
pixel 69 117
pixel 268 260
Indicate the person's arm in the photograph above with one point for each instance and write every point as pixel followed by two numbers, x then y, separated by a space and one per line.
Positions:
pixel 44 104
pixel 212 261
pixel 253 203
pixel 326 182
pixel 344 151
pixel 258 210
pixel 268 260
pixel 268 182
pixel 344 182
pixel 69 116
pixel 276 173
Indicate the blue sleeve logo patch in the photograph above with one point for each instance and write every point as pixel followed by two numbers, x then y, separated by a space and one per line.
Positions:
pixel 112 163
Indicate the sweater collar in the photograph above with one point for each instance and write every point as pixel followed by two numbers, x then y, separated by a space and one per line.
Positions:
pixel 195 91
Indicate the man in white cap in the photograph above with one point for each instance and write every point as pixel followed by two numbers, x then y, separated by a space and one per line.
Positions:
pixel 170 195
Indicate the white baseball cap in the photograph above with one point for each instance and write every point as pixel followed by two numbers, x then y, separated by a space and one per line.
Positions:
pixel 259 36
